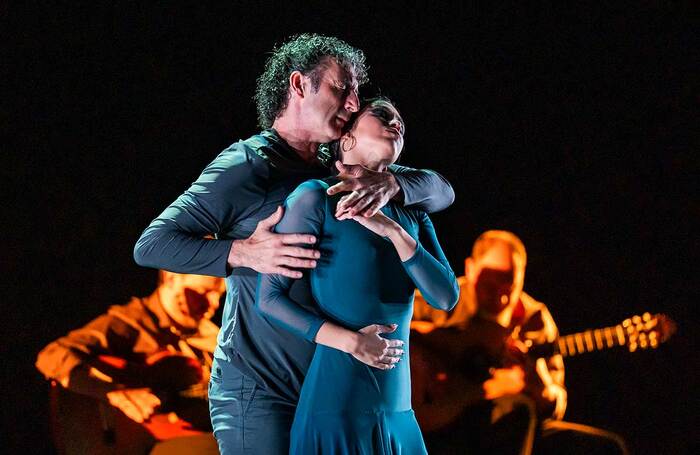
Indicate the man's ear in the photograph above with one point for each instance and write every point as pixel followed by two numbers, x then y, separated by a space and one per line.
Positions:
pixel 296 83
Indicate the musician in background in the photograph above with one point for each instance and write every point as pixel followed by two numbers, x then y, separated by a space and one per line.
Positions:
pixel 140 358
pixel 474 386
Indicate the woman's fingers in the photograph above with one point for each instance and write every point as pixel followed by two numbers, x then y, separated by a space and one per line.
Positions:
pixel 395 343
pixel 393 352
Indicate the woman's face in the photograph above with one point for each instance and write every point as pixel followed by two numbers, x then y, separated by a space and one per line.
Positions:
pixel 378 137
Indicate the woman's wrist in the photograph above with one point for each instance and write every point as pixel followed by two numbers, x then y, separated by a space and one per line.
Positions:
pixel 405 244
pixel 350 340
pixel 337 337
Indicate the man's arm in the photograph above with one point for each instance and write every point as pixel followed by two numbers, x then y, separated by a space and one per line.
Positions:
pixel 370 190
pixel 176 241
pixel 71 361
pixel 551 370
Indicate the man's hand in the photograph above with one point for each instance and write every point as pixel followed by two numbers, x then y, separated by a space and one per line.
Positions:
pixel 376 351
pixel 137 404
pixel 369 190
pixel 504 381
pixel 267 252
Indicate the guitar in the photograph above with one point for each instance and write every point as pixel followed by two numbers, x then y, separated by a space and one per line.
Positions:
pixel 449 364
pixel 638 332
pixel 81 424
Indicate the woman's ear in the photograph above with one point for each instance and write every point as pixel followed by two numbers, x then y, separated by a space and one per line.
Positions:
pixel 347 142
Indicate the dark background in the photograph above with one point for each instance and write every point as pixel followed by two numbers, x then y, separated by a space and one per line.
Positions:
pixel 575 126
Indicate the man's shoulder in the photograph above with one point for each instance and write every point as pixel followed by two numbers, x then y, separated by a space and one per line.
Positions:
pixel 245 152
pixel 133 314
pixel 241 163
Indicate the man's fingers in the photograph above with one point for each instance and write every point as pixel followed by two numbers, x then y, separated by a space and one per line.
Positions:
pixel 346 203
pixel 289 273
pixel 271 220
pixel 128 407
pixel 294 239
pixel 372 210
pixel 143 401
pixel 297 263
pixel 352 169
pixel 340 187
pixel 132 411
pixel 299 252
pixel 361 204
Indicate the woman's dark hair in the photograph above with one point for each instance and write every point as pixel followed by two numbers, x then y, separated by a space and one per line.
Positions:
pixel 308 54
pixel 381 107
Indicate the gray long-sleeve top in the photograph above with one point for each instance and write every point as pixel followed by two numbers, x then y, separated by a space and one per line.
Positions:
pixel 243 185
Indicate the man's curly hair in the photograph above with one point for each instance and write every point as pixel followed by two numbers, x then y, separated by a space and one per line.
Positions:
pixel 306 53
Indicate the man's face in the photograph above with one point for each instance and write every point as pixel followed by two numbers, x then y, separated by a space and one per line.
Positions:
pixel 326 111
pixel 196 297
pixel 492 277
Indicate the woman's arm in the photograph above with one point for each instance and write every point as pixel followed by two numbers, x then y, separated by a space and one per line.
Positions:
pixel 424 261
pixel 304 214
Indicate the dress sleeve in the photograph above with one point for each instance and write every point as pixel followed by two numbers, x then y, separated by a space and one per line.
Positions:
pixel 430 270
pixel 175 240
pixel 304 214
pixel 423 189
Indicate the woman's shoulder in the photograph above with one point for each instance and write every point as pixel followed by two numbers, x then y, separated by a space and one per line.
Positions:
pixel 310 192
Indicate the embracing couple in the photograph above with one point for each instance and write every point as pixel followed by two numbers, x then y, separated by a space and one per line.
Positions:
pixel 322 240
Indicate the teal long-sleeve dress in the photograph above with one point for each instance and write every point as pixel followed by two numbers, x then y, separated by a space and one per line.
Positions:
pixel 346 406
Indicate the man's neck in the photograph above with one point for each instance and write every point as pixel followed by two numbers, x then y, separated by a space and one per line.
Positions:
pixel 297 138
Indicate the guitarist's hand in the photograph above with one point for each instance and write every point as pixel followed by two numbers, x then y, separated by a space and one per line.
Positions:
pixel 504 381
pixel 137 404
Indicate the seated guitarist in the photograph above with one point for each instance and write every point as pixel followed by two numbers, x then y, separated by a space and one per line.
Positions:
pixel 134 378
pixel 475 389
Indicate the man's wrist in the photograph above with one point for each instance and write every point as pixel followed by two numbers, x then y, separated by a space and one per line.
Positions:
pixel 236 254
pixel 395 191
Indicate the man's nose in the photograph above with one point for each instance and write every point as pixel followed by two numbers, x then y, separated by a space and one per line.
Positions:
pixel 352 102
pixel 396 123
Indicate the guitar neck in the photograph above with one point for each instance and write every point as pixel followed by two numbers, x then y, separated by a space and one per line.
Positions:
pixel 637 332
pixel 591 340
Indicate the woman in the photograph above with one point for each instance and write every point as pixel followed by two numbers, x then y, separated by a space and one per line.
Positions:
pixel 356 397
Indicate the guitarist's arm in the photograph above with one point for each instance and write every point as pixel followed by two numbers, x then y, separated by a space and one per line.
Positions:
pixel 546 382
pixel 74 362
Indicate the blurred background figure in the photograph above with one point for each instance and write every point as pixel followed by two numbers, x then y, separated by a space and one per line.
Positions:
pixel 134 379
pixel 475 388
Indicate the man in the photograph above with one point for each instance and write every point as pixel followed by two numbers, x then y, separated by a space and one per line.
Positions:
pixel 305 96
pixel 472 372
pixel 138 357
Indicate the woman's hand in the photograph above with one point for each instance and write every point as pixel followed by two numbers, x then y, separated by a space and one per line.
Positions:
pixel 376 351
pixel 379 223
pixel 384 226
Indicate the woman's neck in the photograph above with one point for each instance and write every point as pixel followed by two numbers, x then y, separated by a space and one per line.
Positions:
pixel 378 166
